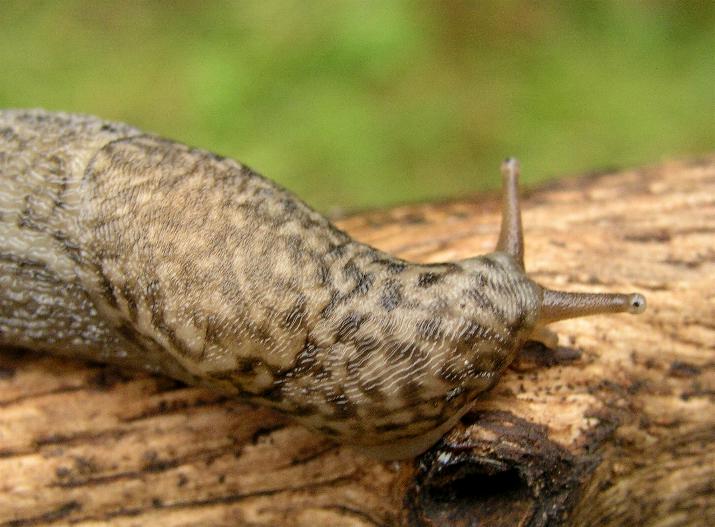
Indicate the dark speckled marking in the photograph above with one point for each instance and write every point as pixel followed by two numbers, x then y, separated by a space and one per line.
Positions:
pixel 391 296
pixel 389 265
pixel 372 390
pixel 482 301
pixel 428 279
pixel 305 359
pixel 329 308
pixel 363 282
pixel 108 127
pixel 343 407
pixel 321 374
pixel 396 267
pixel 337 250
pixel 304 410
pixel 389 427
pixel 323 273
pixel 489 262
pixel 107 289
pixel 411 392
pixel 246 366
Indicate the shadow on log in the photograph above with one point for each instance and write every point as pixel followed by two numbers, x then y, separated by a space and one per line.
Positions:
pixel 616 428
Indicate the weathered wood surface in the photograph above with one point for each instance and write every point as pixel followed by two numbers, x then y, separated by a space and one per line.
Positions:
pixel 616 428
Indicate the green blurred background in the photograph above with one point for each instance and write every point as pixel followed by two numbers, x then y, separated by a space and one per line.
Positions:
pixel 361 104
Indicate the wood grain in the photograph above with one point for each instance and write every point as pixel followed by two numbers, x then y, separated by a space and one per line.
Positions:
pixel 617 427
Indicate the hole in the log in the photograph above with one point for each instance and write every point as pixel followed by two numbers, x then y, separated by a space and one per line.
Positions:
pixel 500 498
pixel 481 486
pixel 510 475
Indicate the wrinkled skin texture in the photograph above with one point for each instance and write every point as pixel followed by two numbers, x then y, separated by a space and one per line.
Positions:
pixel 123 247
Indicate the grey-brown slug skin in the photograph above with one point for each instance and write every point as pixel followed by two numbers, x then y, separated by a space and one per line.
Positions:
pixel 123 247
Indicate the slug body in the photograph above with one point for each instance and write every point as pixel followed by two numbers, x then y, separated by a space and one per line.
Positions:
pixel 123 247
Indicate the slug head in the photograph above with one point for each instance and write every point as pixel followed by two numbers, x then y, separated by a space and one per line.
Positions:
pixel 493 309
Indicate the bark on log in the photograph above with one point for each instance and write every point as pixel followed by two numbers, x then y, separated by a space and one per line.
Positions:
pixel 615 428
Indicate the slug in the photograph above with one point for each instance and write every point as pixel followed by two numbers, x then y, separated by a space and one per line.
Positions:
pixel 122 247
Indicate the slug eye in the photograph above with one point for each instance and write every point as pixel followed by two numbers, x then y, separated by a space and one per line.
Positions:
pixel 637 303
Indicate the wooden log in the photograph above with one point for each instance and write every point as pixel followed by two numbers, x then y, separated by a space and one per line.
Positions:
pixel 617 427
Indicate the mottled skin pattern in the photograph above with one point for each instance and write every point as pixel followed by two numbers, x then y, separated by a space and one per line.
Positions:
pixel 123 247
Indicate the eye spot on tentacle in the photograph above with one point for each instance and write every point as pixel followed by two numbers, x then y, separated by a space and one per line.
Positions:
pixel 637 303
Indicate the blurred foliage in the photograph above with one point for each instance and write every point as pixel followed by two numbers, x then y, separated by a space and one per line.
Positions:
pixel 364 103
